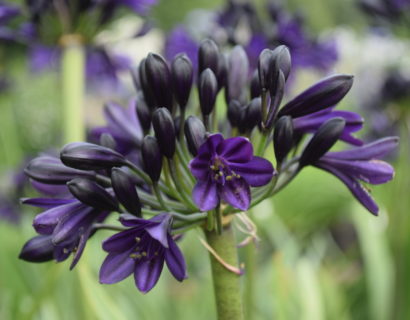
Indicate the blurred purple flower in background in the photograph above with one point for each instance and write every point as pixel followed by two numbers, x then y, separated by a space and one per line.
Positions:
pixel 239 23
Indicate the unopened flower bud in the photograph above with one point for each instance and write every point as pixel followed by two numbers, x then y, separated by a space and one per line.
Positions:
pixel 277 90
pixel 38 249
pixel 182 78
pixel 238 69
pixel 264 66
pixel 107 140
pixel 92 194
pixel 145 86
pixel 143 114
pixel 51 170
pixel 282 60
pixel 195 132
pixel 324 138
pixel 208 56
pixel 159 79
pixel 283 138
pixel 324 94
pixel 255 85
pixel 89 156
pixel 124 189
pixel 151 157
pixel 207 89
pixel 234 113
pixel 164 131
pixel 253 115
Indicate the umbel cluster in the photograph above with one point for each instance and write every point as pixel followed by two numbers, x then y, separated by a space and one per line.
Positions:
pixel 165 172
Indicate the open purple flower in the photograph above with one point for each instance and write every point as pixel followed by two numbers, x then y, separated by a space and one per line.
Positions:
pixel 361 164
pixel 142 250
pixel 67 222
pixel 225 169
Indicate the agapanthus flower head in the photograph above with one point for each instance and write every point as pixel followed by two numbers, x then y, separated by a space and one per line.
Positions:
pixel 142 250
pixel 189 170
pixel 225 170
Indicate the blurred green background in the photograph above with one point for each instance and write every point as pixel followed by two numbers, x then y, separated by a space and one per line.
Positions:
pixel 321 255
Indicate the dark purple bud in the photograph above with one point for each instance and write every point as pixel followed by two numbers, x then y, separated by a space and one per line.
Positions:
pixel 38 249
pixel 237 77
pixel 194 133
pixel 164 131
pixel 253 114
pixel 159 79
pixel 151 157
pixel 207 89
pixel 92 194
pixel 143 114
pixel 107 140
pixel 277 90
pixel 89 156
pixel 51 170
pixel 208 56
pixel 182 78
pixel 234 113
pixel 222 72
pixel 177 126
pixel 282 60
pixel 124 189
pixel 264 66
pixel 146 88
pixel 255 85
pixel 283 138
pixel 322 95
pixel 324 138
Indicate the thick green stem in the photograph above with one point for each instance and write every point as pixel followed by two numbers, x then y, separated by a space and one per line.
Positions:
pixel 226 283
pixel 72 70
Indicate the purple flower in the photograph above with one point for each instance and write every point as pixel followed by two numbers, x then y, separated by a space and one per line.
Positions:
pixel 68 223
pixel 142 250
pixel 8 12
pixel 361 164
pixel 123 125
pixel 225 169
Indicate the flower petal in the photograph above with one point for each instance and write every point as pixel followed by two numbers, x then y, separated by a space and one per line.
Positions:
pixel 116 267
pixel 175 260
pixel 199 167
pixel 372 171
pixel 256 172
pixel 73 224
pixel 46 203
pixel 121 241
pixel 211 143
pixel 159 231
pixel 237 193
pixel 376 149
pixel 236 149
pixel 45 222
pixel 205 195
pixel 358 191
pixel 147 273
